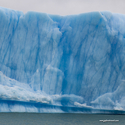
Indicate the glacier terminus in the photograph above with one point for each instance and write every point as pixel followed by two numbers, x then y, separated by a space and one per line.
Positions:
pixel 52 63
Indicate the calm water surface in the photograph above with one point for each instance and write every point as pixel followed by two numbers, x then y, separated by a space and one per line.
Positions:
pixel 59 119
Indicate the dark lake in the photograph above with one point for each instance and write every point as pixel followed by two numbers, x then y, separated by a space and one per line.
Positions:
pixel 60 119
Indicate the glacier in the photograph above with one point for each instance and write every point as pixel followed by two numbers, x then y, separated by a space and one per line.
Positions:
pixel 52 63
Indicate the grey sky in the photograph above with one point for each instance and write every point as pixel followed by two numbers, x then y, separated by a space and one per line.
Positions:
pixel 65 7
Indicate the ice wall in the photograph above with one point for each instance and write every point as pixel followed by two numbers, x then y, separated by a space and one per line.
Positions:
pixel 76 60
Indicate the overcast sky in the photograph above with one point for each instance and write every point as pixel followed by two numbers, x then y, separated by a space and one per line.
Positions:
pixel 65 7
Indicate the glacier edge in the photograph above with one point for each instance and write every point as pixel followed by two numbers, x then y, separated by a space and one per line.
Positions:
pixel 68 61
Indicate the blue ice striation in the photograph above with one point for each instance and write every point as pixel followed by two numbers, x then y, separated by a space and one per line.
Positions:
pixel 52 63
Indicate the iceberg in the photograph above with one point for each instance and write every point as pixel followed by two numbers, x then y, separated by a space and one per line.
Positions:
pixel 51 63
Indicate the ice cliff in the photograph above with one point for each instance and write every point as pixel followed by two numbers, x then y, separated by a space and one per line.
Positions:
pixel 51 63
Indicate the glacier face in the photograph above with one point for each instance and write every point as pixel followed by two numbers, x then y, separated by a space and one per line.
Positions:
pixel 48 62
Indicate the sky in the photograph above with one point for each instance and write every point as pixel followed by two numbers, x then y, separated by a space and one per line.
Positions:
pixel 65 7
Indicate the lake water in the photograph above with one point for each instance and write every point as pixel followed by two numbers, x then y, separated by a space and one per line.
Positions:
pixel 59 119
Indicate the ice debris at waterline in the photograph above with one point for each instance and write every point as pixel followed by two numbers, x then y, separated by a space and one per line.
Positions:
pixel 51 63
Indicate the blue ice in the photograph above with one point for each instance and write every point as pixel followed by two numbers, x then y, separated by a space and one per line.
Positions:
pixel 61 61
